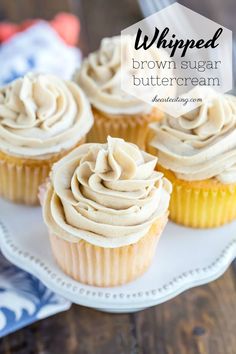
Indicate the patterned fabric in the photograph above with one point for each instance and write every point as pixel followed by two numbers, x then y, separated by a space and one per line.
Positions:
pixel 24 299
pixel 39 48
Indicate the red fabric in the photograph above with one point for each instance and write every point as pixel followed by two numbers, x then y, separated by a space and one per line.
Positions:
pixel 66 25
pixel 7 30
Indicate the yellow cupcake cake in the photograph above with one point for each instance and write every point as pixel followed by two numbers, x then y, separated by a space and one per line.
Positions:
pixel 41 119
pixel 116 113
pixel 105 207
pixel 197 153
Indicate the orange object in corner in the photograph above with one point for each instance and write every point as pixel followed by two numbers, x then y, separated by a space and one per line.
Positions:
pixel 65 24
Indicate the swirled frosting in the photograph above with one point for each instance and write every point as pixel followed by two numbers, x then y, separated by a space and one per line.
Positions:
pixel 100 77
pixel 202 143
pixel 42 114
pixel 107 194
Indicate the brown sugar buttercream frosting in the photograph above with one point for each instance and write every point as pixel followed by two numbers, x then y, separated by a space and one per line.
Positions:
pixel 202 143
pixel 42 115
pixel 100 77
pixel 106 194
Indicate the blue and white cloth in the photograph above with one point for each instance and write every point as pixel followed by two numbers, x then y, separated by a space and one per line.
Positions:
pixel 39 48
pixel 23 298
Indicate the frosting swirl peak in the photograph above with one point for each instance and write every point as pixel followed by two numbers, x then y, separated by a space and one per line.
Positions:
pixel 42 114
pixel 107 194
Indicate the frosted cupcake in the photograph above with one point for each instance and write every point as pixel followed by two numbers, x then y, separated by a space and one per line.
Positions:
pixel 116 113
pixel 197 152
pixel 41 119
pixel 105 207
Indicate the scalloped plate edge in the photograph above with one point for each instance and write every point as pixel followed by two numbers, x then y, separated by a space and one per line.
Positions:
pixel 119 302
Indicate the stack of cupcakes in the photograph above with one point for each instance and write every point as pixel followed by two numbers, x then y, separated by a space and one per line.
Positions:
pixel 106 202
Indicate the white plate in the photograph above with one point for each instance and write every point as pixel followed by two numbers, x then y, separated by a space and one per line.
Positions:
pixel 185 258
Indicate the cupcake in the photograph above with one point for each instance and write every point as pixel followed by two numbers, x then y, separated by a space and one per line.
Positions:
pixel 105 207
pixel 41 119
pixel 197 153
pixel 115 112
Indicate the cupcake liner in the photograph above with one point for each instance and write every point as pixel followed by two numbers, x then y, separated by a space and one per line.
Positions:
pixel 106 267
pixel 20 178
pixel 19 183
pixel 201 204
pixel 133 129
